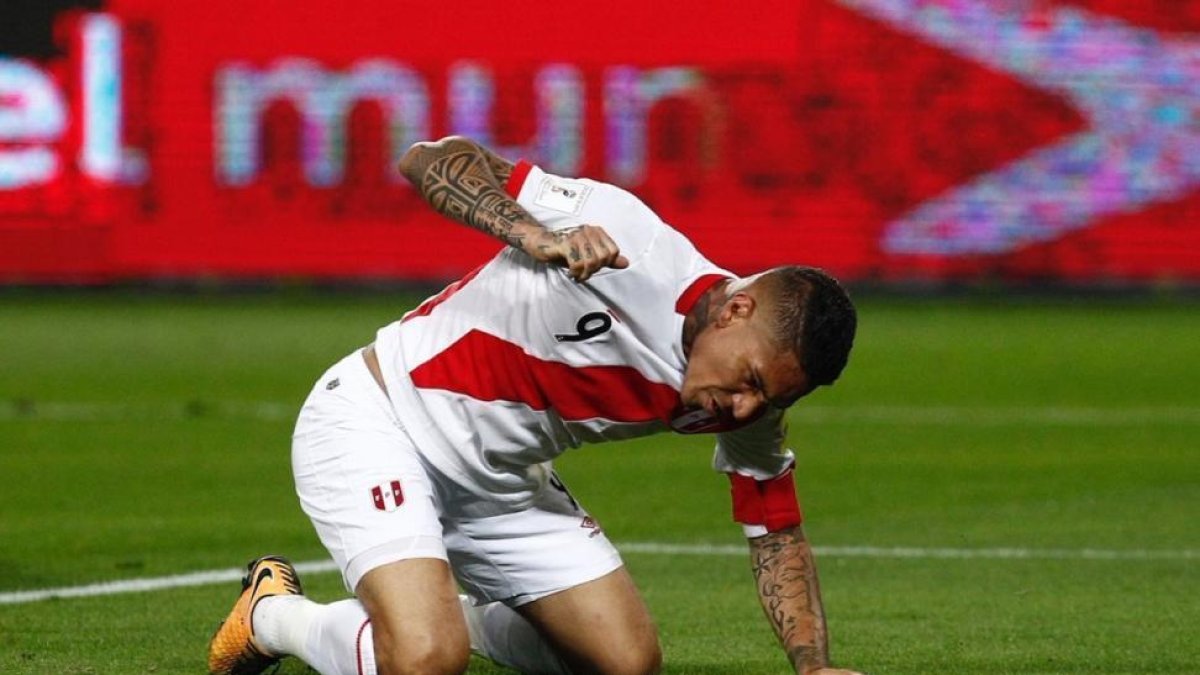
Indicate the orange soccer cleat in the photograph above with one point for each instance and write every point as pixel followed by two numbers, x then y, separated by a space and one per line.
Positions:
pixel 233 650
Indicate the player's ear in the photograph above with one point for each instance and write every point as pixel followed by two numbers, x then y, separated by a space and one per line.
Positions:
pixel 739 307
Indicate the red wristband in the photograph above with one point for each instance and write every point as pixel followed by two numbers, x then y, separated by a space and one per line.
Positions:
pixel 770 503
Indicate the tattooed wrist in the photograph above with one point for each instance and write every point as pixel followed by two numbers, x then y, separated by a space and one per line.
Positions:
pixel 806 657
pixel 786 577
pixel 495 213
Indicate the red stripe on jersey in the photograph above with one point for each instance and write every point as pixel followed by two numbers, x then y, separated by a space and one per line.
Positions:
pixel 688 299
pixel 446 293
pixel 517 178
pixel 771 503
pixel 487 368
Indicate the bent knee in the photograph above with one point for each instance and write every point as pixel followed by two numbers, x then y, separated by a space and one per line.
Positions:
pixel 642 659
pixel 648 661
pixel 428 658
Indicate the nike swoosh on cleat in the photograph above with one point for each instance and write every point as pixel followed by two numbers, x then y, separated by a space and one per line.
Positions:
pixel 266 573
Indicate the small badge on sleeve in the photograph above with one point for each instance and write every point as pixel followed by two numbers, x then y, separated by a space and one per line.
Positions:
pixel 562 195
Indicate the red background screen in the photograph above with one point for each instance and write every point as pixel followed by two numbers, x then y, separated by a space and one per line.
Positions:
pixel 882 140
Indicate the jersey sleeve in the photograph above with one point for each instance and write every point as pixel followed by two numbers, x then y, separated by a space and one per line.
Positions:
pixel 760 471
pixel 558 202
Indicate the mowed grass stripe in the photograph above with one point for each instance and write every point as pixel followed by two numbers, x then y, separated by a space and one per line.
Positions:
pixel 74 411
pixel 275 411
pixel 211 577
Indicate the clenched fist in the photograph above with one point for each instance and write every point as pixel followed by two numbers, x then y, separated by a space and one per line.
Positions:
pixel 582 250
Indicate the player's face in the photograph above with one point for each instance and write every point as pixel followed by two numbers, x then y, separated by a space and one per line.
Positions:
pixel 735 370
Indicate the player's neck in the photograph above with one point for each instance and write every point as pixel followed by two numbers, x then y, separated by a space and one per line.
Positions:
pixel 702 313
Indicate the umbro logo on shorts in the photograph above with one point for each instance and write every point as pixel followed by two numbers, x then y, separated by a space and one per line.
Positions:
pixel 590 523
pixel 387 496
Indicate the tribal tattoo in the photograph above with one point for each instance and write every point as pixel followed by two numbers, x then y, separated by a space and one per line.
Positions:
pixel 500 168
pixel 786 577
pixel 460 182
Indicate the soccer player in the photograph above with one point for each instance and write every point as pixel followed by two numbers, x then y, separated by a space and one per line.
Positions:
pixel 425 459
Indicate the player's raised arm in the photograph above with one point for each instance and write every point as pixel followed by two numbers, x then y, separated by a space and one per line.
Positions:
pixel 464 181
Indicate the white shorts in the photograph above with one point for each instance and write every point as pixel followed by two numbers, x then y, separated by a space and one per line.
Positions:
pixel 374 500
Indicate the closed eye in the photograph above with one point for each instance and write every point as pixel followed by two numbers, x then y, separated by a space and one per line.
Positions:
pixel 759 385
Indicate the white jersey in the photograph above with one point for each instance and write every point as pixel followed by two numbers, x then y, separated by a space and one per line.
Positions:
pixel 515 363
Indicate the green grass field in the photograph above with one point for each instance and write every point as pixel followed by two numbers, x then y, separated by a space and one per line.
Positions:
pixel 143 437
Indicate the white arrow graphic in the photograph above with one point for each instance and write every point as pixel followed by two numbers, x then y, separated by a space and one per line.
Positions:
pixel 1139 91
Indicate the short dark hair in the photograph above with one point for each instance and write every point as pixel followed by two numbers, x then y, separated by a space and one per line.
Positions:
pixel 816 319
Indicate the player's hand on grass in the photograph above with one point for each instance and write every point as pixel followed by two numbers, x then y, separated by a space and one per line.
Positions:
pixel 583 250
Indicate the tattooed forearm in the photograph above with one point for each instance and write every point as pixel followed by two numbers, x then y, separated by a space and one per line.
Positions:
pixel 786 577
pixel 458 179
pixel 459 185
pixel 499 167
